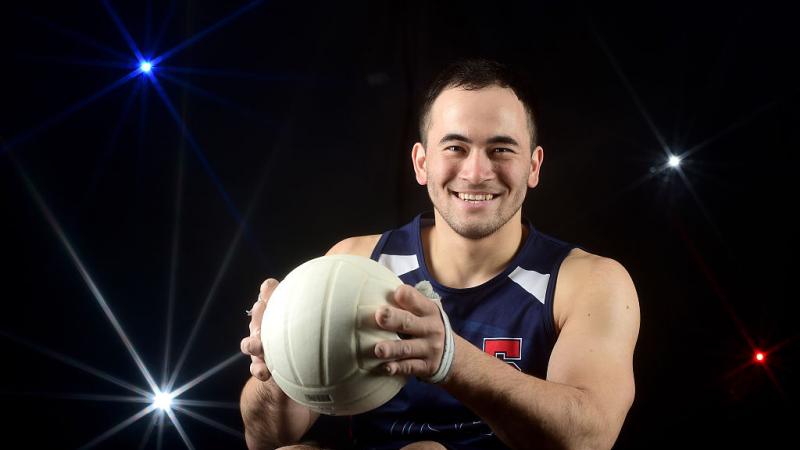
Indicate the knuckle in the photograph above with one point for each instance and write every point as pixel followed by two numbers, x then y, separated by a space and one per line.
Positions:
pixel 255 347
pixel 437 331
pixel 406 323
pixel 429 328
pixel 431 367
pixel 259 370
pixel 384 314
pixel 401 296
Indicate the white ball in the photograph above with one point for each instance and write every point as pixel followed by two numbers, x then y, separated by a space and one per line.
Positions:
pixel 319 335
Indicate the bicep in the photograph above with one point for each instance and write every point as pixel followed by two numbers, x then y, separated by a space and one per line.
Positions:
pixel 594 350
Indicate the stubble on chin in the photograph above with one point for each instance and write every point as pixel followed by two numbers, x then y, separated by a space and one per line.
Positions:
pixel 477 229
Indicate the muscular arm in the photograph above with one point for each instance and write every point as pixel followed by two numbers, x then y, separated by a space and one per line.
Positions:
pixel 589 387
pixel 271 419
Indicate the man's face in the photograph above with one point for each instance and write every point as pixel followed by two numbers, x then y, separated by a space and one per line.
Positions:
pixel 478 163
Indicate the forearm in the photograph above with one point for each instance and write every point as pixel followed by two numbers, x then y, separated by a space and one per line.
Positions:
pixel 271 419
pixel 524 410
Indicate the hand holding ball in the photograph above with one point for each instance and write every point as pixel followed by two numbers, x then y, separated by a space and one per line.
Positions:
pixel 319 335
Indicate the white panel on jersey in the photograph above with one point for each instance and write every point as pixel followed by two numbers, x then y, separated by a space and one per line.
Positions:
pixel 399 264
pixel 532 281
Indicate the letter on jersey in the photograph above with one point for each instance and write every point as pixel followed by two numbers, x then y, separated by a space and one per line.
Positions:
pixel 507 349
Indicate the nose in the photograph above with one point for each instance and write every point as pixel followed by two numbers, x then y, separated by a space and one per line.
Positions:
pixel 477 168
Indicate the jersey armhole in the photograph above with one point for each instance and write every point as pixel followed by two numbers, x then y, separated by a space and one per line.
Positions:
pixel 376 252
pixel 550 321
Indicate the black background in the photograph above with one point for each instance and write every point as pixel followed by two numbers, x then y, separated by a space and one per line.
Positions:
pixel 305 114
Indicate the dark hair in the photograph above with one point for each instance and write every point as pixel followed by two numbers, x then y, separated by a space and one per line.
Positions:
pixel 474 74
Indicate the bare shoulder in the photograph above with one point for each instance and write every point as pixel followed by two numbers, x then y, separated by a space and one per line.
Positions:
pixel 589 281
pixel 357 245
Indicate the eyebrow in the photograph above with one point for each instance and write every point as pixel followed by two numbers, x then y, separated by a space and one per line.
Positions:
pixel 499 139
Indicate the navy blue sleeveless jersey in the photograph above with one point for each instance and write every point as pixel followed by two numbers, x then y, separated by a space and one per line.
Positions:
pixel 509 316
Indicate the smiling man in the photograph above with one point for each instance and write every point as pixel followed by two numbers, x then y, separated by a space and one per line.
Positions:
pixel 534 341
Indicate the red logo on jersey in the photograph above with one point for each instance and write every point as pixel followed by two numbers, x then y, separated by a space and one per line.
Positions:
pixel 507 349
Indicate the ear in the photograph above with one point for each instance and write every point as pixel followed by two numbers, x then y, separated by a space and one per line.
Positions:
pixel 418 159
pixel 536 164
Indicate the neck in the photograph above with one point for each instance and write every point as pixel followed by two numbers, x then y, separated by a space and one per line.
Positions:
pixel 459 262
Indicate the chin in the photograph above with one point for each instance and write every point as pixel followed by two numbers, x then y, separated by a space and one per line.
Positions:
pixel 474 231
pixel 475 234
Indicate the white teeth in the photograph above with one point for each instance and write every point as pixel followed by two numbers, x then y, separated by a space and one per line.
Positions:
pixel 475 197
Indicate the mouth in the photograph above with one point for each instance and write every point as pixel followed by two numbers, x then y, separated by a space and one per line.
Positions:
pixel 475 198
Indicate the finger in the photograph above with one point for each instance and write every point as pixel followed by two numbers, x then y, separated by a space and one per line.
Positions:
pixel 252 346
pixel 257 311
pixel 411 367
pixel 266 289
pixel 259 370
pixel 395 319
pixel 412 300
pixel 402 349
pixel 256 317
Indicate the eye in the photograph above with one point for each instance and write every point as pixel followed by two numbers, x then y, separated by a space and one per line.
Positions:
pixel 454 148
pixel 503 150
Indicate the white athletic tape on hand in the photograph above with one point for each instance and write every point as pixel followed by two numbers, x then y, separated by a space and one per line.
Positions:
pixel 446 363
